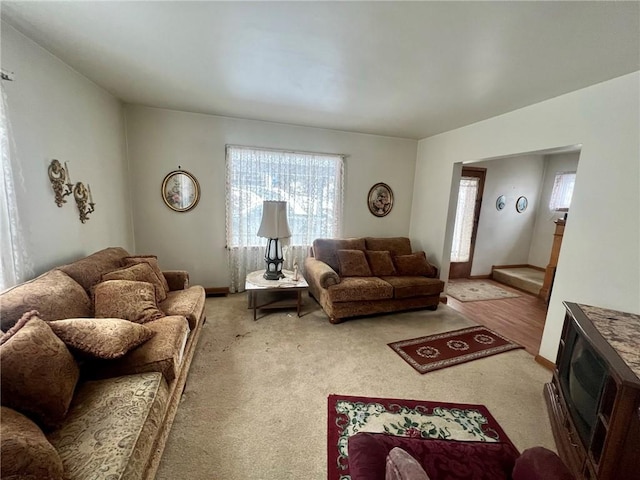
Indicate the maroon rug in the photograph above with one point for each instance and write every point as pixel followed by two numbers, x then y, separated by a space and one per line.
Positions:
pixel 408 418
pixel 442 350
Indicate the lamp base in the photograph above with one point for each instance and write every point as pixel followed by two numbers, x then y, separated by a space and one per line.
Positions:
pixel 274 260
pixel 273 275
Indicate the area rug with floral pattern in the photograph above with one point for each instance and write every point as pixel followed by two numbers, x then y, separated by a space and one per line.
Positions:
pixel 442 350
pixel 474 291
pixel 349 415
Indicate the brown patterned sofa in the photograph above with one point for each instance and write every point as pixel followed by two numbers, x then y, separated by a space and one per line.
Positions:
pixel 364 276
pixel 95 356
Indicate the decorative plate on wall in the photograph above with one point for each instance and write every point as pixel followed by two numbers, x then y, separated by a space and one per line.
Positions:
pixel 521 204
pixel 380 199
pixel 180 191
pixel 501 202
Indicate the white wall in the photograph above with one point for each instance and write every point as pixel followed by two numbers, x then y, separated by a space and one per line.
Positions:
pixel 542 239
pixel 600 259
pixel 504 237
pixel 159 140
pixel 56 113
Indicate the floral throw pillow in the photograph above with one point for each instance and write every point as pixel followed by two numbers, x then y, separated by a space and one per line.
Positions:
pixel 139 272
pixel 128 299
pixel 25 451
pixel 151 260
pixel 38 374
pixel 105 338
pixel 414 264
pixel 353 263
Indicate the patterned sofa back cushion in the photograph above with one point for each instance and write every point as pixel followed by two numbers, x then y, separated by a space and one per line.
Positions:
pixel 54 294
pixel 88 271
pixel 394 245
pixel 326 249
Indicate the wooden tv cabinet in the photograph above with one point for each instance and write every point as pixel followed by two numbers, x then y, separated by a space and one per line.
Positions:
pixel 612 451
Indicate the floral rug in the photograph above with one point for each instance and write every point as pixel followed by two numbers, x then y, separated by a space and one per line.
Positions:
pixel 409 418
pixel 474 291
pixel 442 350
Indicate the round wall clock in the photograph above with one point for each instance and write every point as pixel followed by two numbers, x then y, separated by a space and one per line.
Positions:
pixel 501 202
pixel 521 204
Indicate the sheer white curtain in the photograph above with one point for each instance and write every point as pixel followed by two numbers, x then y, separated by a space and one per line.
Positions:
pixel 562 191
pixel 463 228
pixel 15 266
pixel 312 186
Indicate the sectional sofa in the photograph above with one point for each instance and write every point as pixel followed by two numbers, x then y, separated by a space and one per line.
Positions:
pixel 95 356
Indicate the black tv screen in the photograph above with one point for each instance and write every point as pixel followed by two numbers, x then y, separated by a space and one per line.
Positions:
pixel 582 378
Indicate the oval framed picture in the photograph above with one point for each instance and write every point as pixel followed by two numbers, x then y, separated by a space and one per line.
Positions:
pixel 180 191
pixel 380 199
pixel 501 202
pixel 521 204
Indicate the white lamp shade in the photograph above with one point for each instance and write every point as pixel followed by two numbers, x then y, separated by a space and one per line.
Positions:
pixel 274 220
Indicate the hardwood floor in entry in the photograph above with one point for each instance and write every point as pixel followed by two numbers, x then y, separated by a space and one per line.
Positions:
pixel 519 319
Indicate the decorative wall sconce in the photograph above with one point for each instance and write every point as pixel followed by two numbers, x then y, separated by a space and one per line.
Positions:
pixel 58 176
pixel 82 194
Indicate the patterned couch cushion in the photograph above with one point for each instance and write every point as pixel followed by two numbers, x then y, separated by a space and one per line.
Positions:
pixel 152 261
pixel 410 286
pixel 395 245
pixel 356 289
pixel 111 427
pixel 89 270
pixel 54 294
pixel 188 303
pixel 414 264
pixel 105 338
pixel 38 374
pixel 139 272
pixel 162 353
pixel 133 301
pixel 25 452
pixel 353 263
pixel 325 249
pixel 380 262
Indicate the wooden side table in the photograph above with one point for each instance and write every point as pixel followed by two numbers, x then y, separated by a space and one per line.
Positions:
pixel 272 294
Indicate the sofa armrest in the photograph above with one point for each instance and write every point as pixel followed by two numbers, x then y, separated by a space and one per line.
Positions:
pixel 177 279
pixel 539 463
pixel 320 273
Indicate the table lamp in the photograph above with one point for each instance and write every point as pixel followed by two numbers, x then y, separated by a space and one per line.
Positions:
pixel 274 226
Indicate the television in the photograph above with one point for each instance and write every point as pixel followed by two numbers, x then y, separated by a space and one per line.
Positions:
pixel 582 378
pixel 593 398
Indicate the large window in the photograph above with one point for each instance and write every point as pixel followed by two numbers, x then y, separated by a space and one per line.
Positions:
pixel 562 191
pixel 311 184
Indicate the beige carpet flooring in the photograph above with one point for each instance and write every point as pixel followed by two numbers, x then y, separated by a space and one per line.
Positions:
pixel 255 404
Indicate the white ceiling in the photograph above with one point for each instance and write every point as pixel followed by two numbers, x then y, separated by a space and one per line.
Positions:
pixel 408 69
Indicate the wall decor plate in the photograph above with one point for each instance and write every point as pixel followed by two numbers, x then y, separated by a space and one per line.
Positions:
pixel 180 191
pixel 501 202
pixel 521 204
pixel 380 199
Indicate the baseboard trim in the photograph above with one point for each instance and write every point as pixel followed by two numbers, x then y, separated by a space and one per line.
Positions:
pixel 548 364
pixel 521 265
pixel 216 291
pixel 479 277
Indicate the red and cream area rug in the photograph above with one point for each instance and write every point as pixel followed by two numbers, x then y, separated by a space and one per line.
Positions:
pixel 474 291
pixel 442 350
pixel 408 418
